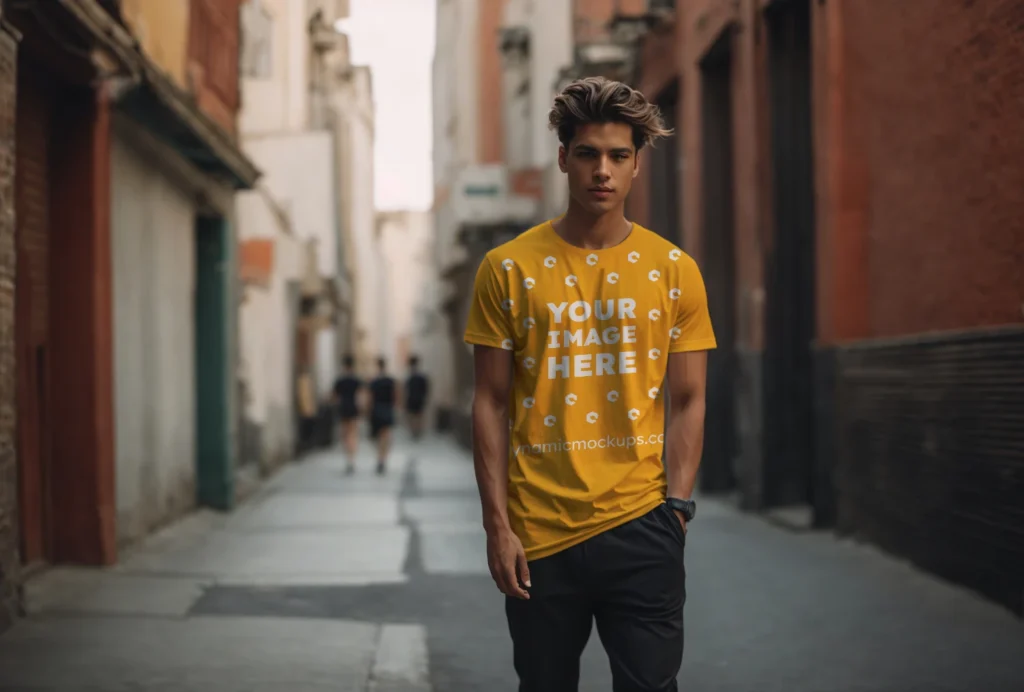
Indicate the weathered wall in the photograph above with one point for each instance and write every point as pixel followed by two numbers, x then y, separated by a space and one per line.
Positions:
pixel 658 56
pixel 489 91
pixel 213 49
pixel 267 354
pixel 404 238
pixel 591 17
pixel 355 143
pixel 153 241
pixel 9 563
pixel 33 190
pixel 702 23
pixel 162 29
pixel 299 175
pixel 279 100
pixel 921 244
pixel 945 182
pixel 550 50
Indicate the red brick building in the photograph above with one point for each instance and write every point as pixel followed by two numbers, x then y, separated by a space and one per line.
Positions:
pixel 64 69
pixel 920 244
pixel 62 299
pixel 851 187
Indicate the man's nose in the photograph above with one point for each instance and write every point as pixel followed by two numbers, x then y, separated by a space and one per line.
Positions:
pixel 603 170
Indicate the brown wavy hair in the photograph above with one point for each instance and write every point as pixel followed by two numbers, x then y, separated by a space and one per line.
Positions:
pixel 600 100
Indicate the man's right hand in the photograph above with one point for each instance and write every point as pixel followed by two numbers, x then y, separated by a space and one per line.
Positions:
pixel 507 560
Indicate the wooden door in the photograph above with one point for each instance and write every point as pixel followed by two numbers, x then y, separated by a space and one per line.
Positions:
pixel 32 238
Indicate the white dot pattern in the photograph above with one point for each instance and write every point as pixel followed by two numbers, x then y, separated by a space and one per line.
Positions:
pixel 572 280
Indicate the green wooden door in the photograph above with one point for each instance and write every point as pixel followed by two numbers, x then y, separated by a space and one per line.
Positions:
pixel 214 378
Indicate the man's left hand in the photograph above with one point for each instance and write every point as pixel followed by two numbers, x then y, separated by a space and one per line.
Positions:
pixel 681 518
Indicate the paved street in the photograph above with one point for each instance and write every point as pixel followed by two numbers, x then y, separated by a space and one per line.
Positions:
pixel 328 582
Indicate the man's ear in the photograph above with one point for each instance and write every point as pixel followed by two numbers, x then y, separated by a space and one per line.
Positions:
pixel 636 165
pixel 562 154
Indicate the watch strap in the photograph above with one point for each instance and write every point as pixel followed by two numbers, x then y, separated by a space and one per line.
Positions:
pixel 688 508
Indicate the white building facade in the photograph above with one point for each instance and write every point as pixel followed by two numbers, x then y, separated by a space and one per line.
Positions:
pixel 405 239
pixel 296 229
pixel 153 235
pixel 482 200
pixel 351 103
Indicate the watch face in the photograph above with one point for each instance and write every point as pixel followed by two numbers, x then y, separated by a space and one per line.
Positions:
pixel 687 507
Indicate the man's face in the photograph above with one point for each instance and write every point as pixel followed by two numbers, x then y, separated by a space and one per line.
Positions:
pixel 601 163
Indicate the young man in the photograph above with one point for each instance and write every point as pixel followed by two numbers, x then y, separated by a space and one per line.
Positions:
pixel 346 392
pixel 384 395
pixel 417 387
pixel 576 324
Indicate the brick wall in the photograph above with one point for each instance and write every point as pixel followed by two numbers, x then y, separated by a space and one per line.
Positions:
pixel 213 58
pixel 939 88
pixel 658 71
pixel 659 59
pixel 491 145
pixel 702 23
pixel 840 173
pixel 929 463
pixel 9 600
pixel 920 232
pixel 919 203
pixel 591 17
pixel 32 304
pixel 730 251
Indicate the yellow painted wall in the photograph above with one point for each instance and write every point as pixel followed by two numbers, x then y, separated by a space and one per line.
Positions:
pixel 163 30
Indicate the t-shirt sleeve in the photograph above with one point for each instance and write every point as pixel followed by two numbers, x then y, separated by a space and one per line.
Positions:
pixel 488 323
pixel 692 330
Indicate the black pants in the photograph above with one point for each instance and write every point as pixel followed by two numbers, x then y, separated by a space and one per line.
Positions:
pixel 631 581
pixel 381 418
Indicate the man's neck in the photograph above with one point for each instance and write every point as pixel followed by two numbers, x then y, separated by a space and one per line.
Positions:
pixel 591 232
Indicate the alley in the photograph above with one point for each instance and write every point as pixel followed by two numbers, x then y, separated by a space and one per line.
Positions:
pixel 327 582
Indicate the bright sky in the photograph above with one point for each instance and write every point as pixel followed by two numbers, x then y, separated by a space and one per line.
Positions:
pixel 396 39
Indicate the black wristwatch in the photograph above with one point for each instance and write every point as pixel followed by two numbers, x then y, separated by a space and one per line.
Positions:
pixel 688 508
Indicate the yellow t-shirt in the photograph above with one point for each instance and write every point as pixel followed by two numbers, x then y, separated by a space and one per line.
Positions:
pixel 591 331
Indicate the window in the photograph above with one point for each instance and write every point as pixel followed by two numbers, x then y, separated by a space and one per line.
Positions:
pixel 257 58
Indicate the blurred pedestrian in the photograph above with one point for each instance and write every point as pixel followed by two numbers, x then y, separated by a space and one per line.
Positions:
pixel 384 397
pixel 346 392
pixel 577 325
pixel 417 389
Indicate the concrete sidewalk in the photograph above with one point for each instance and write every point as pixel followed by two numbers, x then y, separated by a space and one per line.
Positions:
pixel 133 626
pixel 323 581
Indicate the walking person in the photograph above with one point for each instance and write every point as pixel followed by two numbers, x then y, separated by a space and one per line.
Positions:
pixel 383 397
pixel 346 393
pixel 582 327
pixel 417 389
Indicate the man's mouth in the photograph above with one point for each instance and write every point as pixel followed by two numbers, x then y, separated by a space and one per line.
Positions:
pixel 601 190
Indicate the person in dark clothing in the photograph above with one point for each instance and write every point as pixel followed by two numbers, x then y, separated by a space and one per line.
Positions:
pixel 346 395
pixel 417 388
pixel 384 395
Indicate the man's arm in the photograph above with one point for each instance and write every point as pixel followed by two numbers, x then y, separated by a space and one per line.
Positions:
pixel 687 380
pixel 492 385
